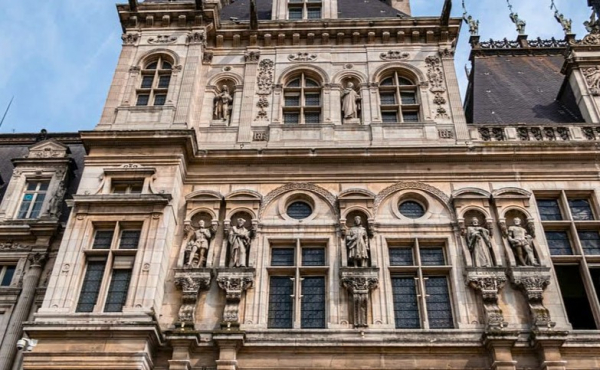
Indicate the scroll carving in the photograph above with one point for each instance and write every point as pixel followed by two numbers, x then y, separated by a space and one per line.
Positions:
pixel 394 55
pixel 191 283
pixel 488 283
pixel 360 282
pixel 234 283
pixel 435 74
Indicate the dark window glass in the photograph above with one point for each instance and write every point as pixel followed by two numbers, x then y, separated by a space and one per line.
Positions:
pixel 91 286
pixel 412 209
pixel 401 257
pixel 130 239
pixel 9 272
pixel 103 239
pixel 312 117
pixel 410 116
pixel 166 65
pixel 292 100
pixel 405 82
pixel 294 83
pixel 313 257
pixel 25 204
pixel 33 199
pixel 408 97
pixel 152 65
pixel 581 209
pixel 595 272
pixel 590 241
pixel 143 99
pixel 147 82
pixel 312 99
pixel 127 187
pixel 117 292
pixel 160 99
pixel 295 13
pixel 406 308
pixel 549 209
pixel 388 98
pixel 299 210
pixel 439 309
pixel 37 205
pixel 280 302
pixel 311 83
pixel 432 257
pixel 163 82
pixel 559 243
pixel 387 82
pixel 282 257
pixel 291 118
pixel 314 13
pixel 389 117
pixel 313 302
pixel 574 297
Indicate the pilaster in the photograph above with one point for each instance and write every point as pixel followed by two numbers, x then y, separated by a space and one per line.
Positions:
pixel 246 116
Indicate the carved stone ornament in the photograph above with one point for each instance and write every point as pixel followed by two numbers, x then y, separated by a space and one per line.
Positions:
pixel 592 78
pixel 532 281
pixel 234 282
pixel 196 37
pixel 55 203
pixel 191 282
pixel 330 198
pixel 265 77
pixel 196 243
pixel 251 56
pixel 130 38
pixel 435 75
pixel 162 39
pixel 207 58
pixel 302 57
pixel 488 282
pixel 13 246
pixel 263 103
pixel 37 259
pixel 591 39
pixel 360 282
pixel 394 55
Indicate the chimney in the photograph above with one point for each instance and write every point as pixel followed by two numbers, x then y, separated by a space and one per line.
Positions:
pixel 401 5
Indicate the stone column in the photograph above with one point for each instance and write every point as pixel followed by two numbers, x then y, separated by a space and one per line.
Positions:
pixel 456 107
pixel 21 311
pixel 245 129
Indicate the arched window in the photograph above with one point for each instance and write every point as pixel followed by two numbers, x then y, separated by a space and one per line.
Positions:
pixel 399 99
pixel 154 86
pixel 302 101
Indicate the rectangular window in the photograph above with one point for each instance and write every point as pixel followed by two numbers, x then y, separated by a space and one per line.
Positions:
pixel 432 256
pixel 581 209
pixel 163 82
pixel 313 12
pixel 313 256
pixel 401 257
pixel 295 13
pixel 281 314
pixel 313 303
pixel 292 101
pixel 575 297
pixel 389 117
pixel 406 308
pixel 590 241
pixel 312 99
pixel 91 286
pixel 549 209
pixel 130 239
pixel 127 186
pixel 147 82
pixel 559 243
pixel 439 309
pixel 282 257
pixel 103 239
pixel 33 199
pixel 388 98
pixel 142 100
pixel 312 117
pixel 117 292
pixel 291 118
pixel 6 274
pixel 408 97
pixel 160 99
pixel 410 116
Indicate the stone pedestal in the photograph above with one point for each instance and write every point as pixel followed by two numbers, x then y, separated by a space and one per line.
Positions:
pixel 548 342
pixel 359 281
pixel 532 281
pixel 234 281
pixel 351 121
pixel 182 342
pixel 488 281
pixel 500 344
pixel 229 343
pixel 191 281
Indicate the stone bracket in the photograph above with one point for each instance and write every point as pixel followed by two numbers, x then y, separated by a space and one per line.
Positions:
pixel 234 281
pixel 191 281
pixel 488 281
pixel 532 281
pixel 359 281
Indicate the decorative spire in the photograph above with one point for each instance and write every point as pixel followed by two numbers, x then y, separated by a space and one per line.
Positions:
pixel 514 17
pixel 473 23
pixel 560 18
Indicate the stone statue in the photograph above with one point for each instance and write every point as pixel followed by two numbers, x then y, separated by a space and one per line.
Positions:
pixel 222 103
pixel 473 24
pixel 357 242
pixel 479 243
pixel 564 22
pixel 518 22
pixel 197 246
pixel 522 243
pixel 350 102
pixel 239 243
pixel 55 202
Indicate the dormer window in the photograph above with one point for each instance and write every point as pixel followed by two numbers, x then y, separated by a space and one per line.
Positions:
pixel 33 199
pixel 304 9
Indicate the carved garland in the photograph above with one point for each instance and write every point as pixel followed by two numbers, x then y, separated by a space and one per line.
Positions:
pixel 265 86
pixel 394 55
pixel 162 39
pixel 592 78
pixel 415 186
pixel 330 198
pixel 435 75
pixel 302 57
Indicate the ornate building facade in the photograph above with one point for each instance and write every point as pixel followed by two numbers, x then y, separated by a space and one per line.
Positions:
pixel 294 184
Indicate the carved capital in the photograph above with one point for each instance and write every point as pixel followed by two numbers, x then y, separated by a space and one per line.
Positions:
pixel 532 281
pixel 37 260
pixel 196 37
pixel 191 282
pixel 488 282
pixel 130 38
pixel 359 281
pixel 251 56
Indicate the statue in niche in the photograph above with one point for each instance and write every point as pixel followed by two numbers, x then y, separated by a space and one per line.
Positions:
pixel 479 243
pixel 239 243
pixel 222 104
pixel 56 201
pixel 357 242
pixel 350 102
pixel 522 243
pixel 197 246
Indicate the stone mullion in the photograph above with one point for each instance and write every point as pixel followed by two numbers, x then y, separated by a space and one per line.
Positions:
pixel 187 84
pixel 456 107
pixel 237 106
pixel 245 129
pixel 365 111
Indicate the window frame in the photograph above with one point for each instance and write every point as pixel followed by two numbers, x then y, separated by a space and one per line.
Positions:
pixel 3 270
pixel 36 194
pixel 155 90
pixel 398 89
pixel 302 91
pixel 304 6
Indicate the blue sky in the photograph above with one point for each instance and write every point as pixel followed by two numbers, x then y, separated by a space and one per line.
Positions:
pixel 58 57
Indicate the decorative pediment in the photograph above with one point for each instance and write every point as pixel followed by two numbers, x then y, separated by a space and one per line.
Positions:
pixel 204 195
pixel 48 149
pixel 243 194
pixel 470 193
pixel 511 193
pixel 356 194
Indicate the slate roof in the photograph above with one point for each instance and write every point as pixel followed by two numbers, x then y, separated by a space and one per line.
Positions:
pixel 508 89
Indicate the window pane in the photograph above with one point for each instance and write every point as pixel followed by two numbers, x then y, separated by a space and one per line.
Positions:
pixel 147 82
pixel 295 13
pixel 291 118
pixel 130 239
pixel 32 186
pixel 313 257
pixel 9 272
pixel 558 243
pixel 387 82
pixel 160 99
pixel 590 241
pixel 388 98
pixel 282 257
pixel 389 117
pixel 280 302
pixel 405 82
pixel 299 210
pixel 143 99
pixel 575 297
pixel 595 272
pixel 117 292
pixel 432 257
pixel 37 205
pixel 152 65
pixel 314 13
pixel 292 101
pixel 401 257
pixel 312 99
pixel 439 309
pixel 44 185
pixel 410 116
pixel 25 204
pixel 581 209
pixel 294 83
pixel 163 82
pixel 406 309
pixel 166 65
pixel 311 83
pixel 91 286
pixel 312 117
pixel 549 209
pixel 408 97
pixel 313 302
pixel 103 239
pixel 412 209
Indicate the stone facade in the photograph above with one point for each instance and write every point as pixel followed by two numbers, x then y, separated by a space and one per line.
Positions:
pixel 214 225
